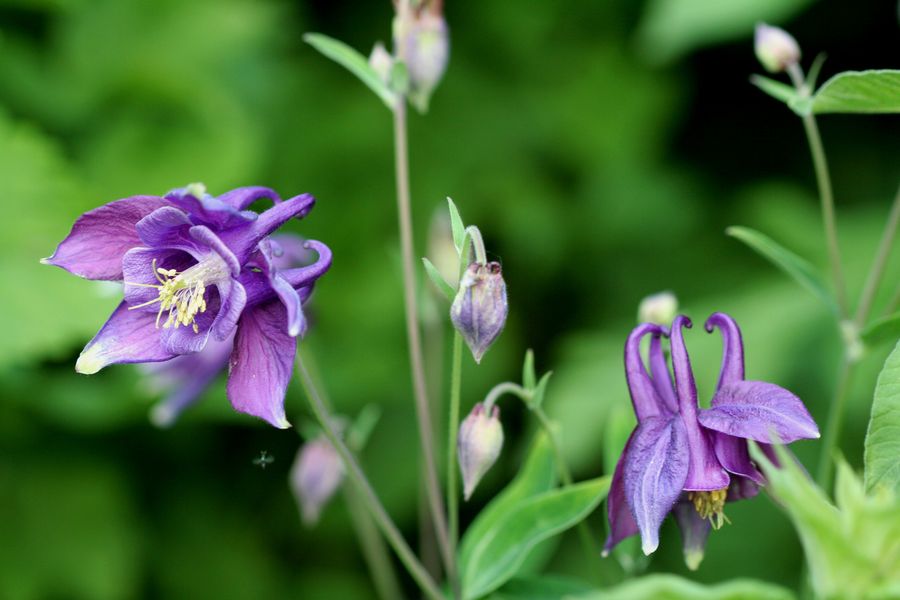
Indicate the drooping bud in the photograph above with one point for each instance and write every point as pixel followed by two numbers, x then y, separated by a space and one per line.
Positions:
pixel 659 309
pixel 316 475
pixel 479 309
pixel 775 48
pixel 381 62
pixel 421 36
pixel 480 441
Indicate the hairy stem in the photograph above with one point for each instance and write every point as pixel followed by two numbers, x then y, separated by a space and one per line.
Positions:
pixel 878 266
pixel 367 494
pixel 426 436
pixel 452 433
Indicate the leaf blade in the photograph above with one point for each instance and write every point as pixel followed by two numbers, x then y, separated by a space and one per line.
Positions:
pixel 859 92
pixel 353 61
pixel 438 280
pixel 882 445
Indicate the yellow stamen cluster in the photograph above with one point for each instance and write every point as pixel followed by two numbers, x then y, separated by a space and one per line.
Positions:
pixel 710 505
pixel 183 297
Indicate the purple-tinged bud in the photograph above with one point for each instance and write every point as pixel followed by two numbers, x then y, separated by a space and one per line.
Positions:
pixel 659 309
pixel 479 309
pixel 315 477
pixel 775 48
pixel 381 62
pixel 480 441
pixel 422 34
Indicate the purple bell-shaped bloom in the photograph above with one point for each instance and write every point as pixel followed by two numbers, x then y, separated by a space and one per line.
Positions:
pixel 687 460
pixel 198 268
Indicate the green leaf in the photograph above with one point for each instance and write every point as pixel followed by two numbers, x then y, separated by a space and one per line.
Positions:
pixel 859 92
pixel 672 587
pixel 813 75
pixel 798 268
pixel 540 391
pixel 354 62
pixel 457 227
pixel 882 455
pixel 881 330
pixel 537 475
pixel 529 379
pixel 438 280
pixel 540 587
pixel 495 556
pixel 853 548
pixel 776 89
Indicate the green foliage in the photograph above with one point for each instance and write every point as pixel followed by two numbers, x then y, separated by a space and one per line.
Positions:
pixel 357 64
pixel 544 587
pixel 798 268
pixel 882 455
pixel 495 556
pixel 671 587
pixel 852 548
pixel 885 329
pixel 456 226
pixel 859 92
pixel 438 280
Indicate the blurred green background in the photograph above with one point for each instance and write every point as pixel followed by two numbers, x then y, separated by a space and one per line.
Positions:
pixel 602 148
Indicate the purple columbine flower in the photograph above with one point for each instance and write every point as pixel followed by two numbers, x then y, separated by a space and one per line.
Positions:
pixel 198 268
pixel 185 378
pixel 687 460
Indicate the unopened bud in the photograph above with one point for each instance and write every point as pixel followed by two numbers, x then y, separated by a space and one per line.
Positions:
pixel 381 62
pixel 775 48
pixel 480 441
pixel 658 308
pixel 479 309
pixel 315 477
pixel 422 33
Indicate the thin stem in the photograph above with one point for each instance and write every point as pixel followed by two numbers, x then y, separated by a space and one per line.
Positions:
pixel 374 551
pixel 367 494
pixel 833 425
pixel 881 258
pixel 826 194
pixel 426 436
pixel 894 303
pixel 478 244
pixel 453 430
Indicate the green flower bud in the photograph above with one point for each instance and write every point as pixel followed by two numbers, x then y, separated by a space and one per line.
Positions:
pixel 775 48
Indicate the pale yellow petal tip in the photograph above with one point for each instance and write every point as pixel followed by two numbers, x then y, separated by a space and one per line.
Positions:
pixel 649 547
pixel 162 416
pixel 46 261
pixel 693 559
pixel 282 423
pixel 605 553
pixel 89 361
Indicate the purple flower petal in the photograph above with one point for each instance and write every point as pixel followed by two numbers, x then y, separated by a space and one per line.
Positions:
pixel 732 351
pixel 243 240
pixel 289 251
pixel 208 210
pixel 733 454
pixel 654 474
pixel 756 409
pixel 164 227
pixel 129 336
pixel 261 363
pixel 286 293
pixel 741 488
pixel 659 372
pixel 647 402
pixel 621 521
pixel 183 339
pixel 137 267
pixel 234 299
pixel 99 238
pixel 243 197
pixel 705 472
pixel 694 531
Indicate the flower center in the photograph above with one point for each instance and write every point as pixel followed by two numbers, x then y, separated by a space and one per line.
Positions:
pixel 710 505
pixel 182 293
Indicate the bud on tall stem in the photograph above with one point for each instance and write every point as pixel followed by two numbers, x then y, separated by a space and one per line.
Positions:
pixel 480 441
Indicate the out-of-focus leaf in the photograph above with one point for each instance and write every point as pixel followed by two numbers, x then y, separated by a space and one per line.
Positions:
pixel 672 587
pixel 537 475
pixel 671 28
pixel 354 62
pixel 540 391
pixel 882 455
pixel 438 280
pixel 852 549
pixel 529 379
pixel 886 329
pixel 496 555
pixel 540 587
pixel 875 91
pixel 801 270
pixel 783 92
pixel 456 226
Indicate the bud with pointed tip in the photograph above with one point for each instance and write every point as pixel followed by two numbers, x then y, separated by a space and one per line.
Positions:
pixel 381 62
pixel 315 477
pixel 659 309
pixel 422 34
pixel 775 48
pixel 480 441
pixel 479 310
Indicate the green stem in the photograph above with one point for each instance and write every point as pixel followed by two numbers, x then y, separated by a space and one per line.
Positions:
pixel 452 433
pixel 426 436
pixel 894 303
pixel 373 548
pixel 367 494
pixel 833 424
pixel 826 194
pixel 878 266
